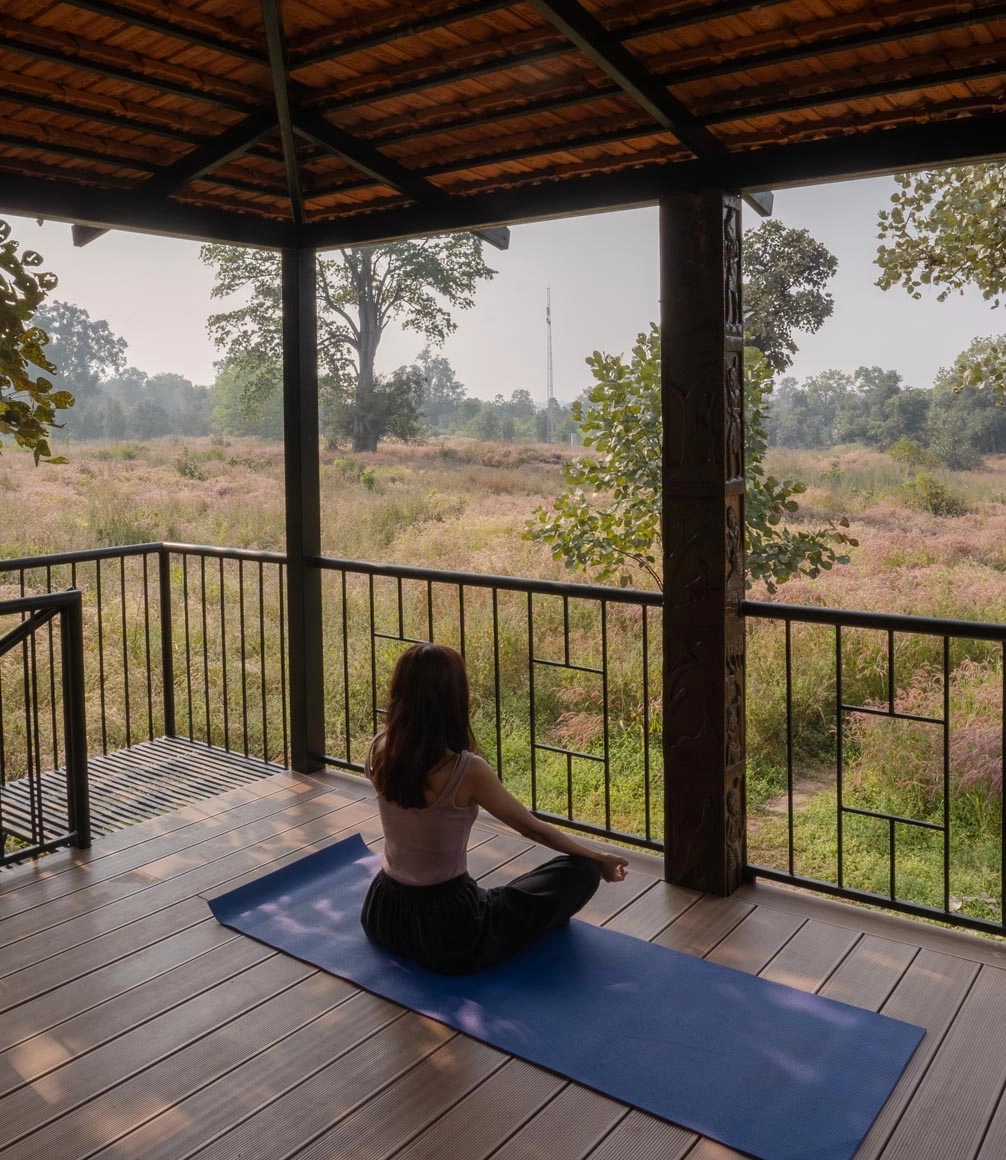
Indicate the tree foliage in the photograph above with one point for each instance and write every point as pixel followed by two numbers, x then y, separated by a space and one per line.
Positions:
pixel 946 229
pixel 608 518
pixel 786 272
pixel 418 283
pixel 28 402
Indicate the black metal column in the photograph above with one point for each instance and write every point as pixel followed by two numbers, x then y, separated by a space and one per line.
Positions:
pixel 303 510
pixel 702 373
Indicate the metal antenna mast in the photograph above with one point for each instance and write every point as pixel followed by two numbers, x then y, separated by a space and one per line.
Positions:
pixel 550 386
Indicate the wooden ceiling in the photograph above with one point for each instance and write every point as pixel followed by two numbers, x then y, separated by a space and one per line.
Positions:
pixel 328 122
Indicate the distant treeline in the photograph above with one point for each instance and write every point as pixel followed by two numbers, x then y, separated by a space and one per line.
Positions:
pixel 871 406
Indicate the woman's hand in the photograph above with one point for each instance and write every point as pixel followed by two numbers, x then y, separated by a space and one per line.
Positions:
pixel 613 867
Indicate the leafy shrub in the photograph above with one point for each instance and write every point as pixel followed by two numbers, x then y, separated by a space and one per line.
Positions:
pixel 925 492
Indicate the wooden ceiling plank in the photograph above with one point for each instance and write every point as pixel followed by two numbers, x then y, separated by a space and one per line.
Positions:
pixel 277 60
pixel 176 25
pixel 327 48
pixel 39 46
pixel 737 58
pixel 626 70
pixel 745 106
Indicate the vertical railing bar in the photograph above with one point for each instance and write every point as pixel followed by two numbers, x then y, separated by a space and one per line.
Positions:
pixel 605 710
pixel 345 665
pixel 1002 780
pixel 789 745
pixel 101 654
pixel 125 650
pixel 373 652
pixel 244 654
pixel 52 679
pixel 893 854
pixel 461 619
pixel 262 660
pixel 890 671
pixel 206 652
pixel 565 628
pixel 78 806
pixel 497 693
pixel 188 646
pixel 946 774
pixel 839 722
pixel 429 610
pixel 646 722
pixel 168 642
pixel 569 785
pixel 281 579
pixel 223 657
pixel 34 787
pixel 531 704
pixel 146 645
pixel 401 610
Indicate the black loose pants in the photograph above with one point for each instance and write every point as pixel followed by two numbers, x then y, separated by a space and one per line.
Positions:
pixel 456 927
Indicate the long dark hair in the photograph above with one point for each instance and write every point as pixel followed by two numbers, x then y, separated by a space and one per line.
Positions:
pixel 427 715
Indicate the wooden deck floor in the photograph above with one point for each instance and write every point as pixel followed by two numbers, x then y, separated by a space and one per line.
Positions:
pixel 133 1025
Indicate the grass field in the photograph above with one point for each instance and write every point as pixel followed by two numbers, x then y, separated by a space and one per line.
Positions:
pixel 462 505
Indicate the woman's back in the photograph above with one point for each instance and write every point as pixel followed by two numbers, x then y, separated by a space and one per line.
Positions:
pixel 428 845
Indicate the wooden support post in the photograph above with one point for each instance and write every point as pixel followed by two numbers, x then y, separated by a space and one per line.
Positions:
pixel 303 510
pixel 702 374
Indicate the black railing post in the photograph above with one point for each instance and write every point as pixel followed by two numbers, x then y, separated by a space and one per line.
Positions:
pixel 303 511
pixel 167 640
pixel 75 724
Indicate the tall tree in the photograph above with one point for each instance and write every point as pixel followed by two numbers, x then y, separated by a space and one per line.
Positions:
pixel 28 403
pixel 786 272
pixel 946 229
pixel 419 283
pixel 608 518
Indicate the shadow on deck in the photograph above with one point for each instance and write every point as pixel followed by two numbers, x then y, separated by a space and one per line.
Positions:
pixel 133 1025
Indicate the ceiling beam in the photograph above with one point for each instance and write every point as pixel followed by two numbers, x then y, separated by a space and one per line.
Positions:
pixel 277 60
pixel 907 147
pixel 129 210
pixel 174 27
pixel 629 73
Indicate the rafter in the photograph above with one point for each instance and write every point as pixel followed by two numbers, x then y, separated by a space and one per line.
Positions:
pixel 277 60
pixel 385 170
pixel 596 43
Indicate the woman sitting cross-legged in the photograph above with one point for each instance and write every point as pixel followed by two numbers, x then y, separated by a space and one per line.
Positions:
pixel 430 785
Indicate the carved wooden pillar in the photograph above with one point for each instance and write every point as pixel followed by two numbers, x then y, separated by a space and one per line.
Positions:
pixel 703 519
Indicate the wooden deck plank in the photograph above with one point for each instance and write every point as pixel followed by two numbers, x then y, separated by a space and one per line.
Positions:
pixel 954 1103
pixel 756 941
pixel 704 925
pixel 344 1019
pixel 571 1126
pixel 318 1103
pixel 653 909
pixel 487 1116
pixel 929 995
pixel 643 1137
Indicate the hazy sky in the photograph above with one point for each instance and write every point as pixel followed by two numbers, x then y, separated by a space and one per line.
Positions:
pixel 602 271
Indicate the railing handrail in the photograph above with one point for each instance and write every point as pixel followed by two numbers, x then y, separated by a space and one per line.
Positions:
pixel 56 600
pixel 80 556
pixel 884 621
pixel 487 580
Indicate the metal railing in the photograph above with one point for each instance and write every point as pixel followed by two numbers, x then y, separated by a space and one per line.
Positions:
pixel 565 682
pixel 905 808
pixel 42 725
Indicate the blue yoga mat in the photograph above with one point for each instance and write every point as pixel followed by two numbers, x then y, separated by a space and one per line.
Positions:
pixel 761 1067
